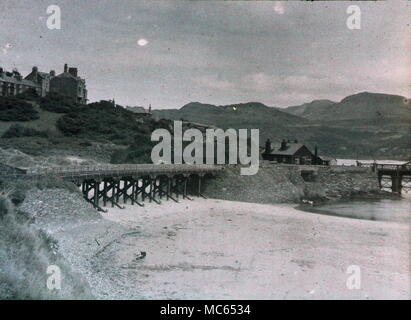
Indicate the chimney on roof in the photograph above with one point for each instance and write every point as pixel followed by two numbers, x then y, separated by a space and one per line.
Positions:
pixel 73 72
pixel 283 145
pixel 17 75
pixel 1 71
pixel 35 70
pixel 65 67
pixel 268 146
pixel 52 73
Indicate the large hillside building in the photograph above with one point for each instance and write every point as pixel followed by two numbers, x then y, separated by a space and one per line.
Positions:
pixel 67 84
pixel 12 84
pixel 70 85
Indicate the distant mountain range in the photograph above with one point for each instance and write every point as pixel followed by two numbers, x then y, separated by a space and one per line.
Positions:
pixel 367 124
pixel 364 106
pixel 311 110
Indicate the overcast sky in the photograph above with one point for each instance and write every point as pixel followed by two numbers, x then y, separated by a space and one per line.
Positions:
pixel 169 53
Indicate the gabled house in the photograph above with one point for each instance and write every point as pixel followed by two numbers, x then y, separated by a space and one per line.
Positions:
pixel 70 85
pixel 290 153
pixel 42 79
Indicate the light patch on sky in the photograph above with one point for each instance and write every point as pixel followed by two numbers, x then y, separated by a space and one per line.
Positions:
pixel 142 42
pixel 278 7
pixel 217 52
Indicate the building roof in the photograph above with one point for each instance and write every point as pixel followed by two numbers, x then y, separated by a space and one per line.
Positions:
pixel 291 149
pixel 13 79
pixel 35 76
pixel 44 75
pixel 69 75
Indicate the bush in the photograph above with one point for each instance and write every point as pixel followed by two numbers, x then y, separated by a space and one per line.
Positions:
pixel 70 124
pixel 18 131
pixel 138 152
pixel 14 109
pixel 54 102
pixel 29 94
pixel 102 121
pixel 25 254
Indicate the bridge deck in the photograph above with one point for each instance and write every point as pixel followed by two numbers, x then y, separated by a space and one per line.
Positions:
pixel 387 167
pixel 122 170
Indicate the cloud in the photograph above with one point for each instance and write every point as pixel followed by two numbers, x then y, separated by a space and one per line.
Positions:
pixel 278 7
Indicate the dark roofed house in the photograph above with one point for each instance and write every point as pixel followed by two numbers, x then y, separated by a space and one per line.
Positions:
pixel 12 84
pixel 70 85
pixel 290 153
pixel 42 79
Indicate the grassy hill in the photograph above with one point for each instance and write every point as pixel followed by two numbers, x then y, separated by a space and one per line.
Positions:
pixel 98 131
pixel 310 110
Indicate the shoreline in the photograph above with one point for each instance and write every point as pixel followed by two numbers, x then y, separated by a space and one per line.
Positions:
pixel 358 196
pixel 218 249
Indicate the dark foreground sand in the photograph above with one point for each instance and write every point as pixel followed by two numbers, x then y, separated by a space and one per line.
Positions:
pixel 215 249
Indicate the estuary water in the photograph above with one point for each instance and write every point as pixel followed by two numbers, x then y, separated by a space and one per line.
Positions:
pixel 395 210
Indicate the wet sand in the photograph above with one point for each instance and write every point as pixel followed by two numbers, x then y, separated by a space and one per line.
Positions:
pixel 215 249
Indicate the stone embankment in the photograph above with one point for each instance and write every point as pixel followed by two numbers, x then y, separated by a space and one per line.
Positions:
pixel 280 183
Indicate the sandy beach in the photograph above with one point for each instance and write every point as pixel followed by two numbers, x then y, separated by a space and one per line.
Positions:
pixel 216 249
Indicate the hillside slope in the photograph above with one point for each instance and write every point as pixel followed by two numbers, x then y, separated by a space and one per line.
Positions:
pixel 372 137
pixel 310 110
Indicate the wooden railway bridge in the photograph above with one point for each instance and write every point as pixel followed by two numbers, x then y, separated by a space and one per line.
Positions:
pixel 400 176
pixel 109 184
pixel 396 177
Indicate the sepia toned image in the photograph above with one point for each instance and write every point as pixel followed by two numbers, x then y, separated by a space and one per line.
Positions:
pixel 205 150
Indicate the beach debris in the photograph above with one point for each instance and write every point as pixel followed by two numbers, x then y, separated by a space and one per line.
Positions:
pixel 308 202
pixel 142 255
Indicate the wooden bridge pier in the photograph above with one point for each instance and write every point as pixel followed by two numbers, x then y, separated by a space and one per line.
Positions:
pixel 135 182
pixel 400 176
pixel 138 189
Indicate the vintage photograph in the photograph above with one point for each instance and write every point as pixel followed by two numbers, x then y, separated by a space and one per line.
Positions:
pixel 205 150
